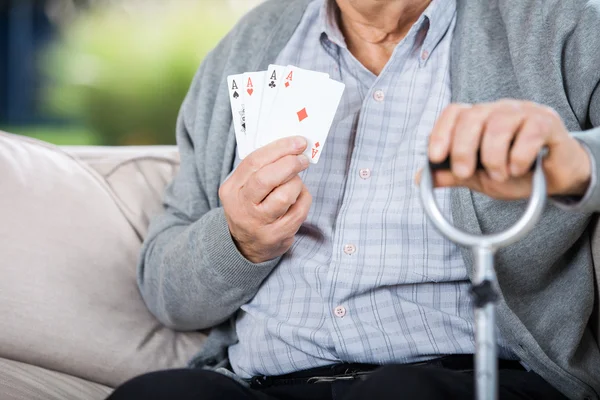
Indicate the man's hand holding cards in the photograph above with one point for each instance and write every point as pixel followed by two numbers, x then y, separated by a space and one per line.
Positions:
pixel 281 102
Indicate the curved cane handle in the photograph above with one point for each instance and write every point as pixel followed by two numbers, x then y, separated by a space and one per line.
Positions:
pixel 531 216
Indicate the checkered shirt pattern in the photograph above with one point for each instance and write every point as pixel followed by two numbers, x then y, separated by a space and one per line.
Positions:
pixel 368 279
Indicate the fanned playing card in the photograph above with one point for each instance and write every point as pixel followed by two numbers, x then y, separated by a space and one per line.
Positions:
pixel 296 82
pixel 234 85
pixel 309 111
pixel 269 92
pixel 252 98
pixel 281 102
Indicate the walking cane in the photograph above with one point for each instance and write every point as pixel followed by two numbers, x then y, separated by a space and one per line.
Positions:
pixel 484 275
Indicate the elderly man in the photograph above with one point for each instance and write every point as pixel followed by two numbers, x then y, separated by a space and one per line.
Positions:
pixel 328 282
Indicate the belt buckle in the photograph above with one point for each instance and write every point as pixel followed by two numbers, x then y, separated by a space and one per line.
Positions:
pixel 342 377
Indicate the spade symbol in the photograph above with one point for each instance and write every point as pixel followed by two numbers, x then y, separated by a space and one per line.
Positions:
pixel 235 95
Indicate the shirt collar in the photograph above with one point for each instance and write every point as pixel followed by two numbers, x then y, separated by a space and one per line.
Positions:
pixel 439 16
pixel 432 24
pixel 328 23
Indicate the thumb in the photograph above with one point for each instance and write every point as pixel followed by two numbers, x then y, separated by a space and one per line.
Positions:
pixel 440 178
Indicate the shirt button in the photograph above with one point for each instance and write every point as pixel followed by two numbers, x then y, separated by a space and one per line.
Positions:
pixel 349 249
pixel 424 55
pixel 340 312
pixel 379 96
pixel 365 173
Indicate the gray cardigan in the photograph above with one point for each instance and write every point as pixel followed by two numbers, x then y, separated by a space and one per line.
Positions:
pixel 192 276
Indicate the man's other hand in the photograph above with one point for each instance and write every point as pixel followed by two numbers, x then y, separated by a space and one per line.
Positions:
pixel 508 135
pixel 265 201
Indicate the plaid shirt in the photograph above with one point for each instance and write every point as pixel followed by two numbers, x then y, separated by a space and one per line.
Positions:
pixel 368 279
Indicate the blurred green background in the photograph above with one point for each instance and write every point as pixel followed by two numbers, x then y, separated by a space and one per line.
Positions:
pixel 110 72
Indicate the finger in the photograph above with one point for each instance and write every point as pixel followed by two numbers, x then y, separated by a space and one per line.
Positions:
pixel 466 136
pixel 266 179
pixel 500 130
pixel 268 154
pixel 440 178
pixel 279 201
pixel 444 179
pixel 531 138
pixel 440 137
pixel 297 213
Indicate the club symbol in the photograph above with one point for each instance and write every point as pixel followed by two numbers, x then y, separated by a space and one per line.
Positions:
pixel 272 85
pixel 235 95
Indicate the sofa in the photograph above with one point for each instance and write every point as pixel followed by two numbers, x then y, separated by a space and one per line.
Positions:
pixel 72 322
pixel 73 325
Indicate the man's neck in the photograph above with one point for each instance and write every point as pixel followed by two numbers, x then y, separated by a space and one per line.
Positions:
pixel 373 28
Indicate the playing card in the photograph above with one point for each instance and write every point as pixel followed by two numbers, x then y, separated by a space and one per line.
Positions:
pixel 295 83
pixel 270 87
pixel 307 110
pixel 252 99
pixel 235 87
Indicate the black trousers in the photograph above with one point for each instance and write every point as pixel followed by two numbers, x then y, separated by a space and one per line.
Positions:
pixel 391 382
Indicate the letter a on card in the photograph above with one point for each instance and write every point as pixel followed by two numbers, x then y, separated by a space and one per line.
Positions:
pixel 238 113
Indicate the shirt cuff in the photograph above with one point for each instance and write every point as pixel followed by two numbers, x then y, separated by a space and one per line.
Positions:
pixel 575 203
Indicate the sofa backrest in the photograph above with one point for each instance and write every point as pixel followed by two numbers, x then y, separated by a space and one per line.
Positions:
pixel 70 237
pixel 137 175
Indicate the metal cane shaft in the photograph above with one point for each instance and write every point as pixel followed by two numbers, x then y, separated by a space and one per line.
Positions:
pixel 486 363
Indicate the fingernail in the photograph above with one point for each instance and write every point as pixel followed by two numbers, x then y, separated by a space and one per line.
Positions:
pixel 303 160
pixel 299 143
pixel 461 171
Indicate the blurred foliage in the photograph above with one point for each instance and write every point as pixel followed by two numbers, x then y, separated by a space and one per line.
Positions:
pixel 123 68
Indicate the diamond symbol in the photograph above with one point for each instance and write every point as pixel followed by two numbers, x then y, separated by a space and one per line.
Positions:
pixel 317 145
pixel 302 115
pixel 287 84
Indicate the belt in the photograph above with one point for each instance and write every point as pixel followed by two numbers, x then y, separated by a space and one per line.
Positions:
pixel 351 372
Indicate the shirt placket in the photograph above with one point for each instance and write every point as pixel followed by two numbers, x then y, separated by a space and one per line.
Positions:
pixel 350 249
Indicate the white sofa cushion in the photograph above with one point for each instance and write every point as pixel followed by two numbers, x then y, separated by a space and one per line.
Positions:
pixel 68 295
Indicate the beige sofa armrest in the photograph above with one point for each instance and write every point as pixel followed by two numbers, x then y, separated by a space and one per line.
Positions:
pixel 20 381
